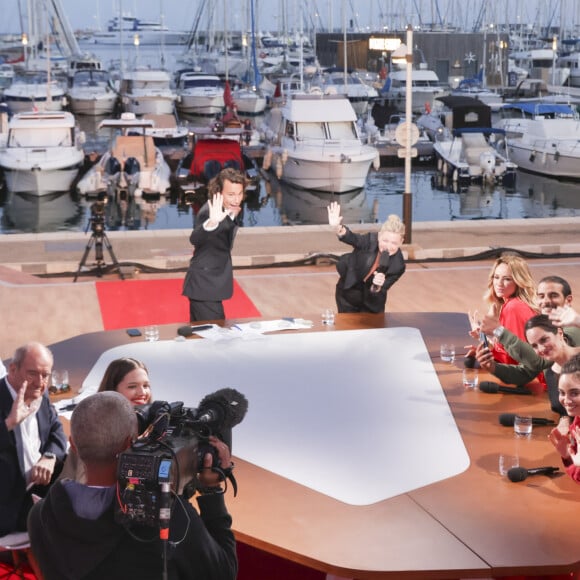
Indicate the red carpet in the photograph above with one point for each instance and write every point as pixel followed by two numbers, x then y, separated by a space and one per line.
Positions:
pixel 128 303
pixel 8 572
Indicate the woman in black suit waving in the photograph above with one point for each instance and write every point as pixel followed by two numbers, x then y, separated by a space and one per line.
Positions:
pixel 374 265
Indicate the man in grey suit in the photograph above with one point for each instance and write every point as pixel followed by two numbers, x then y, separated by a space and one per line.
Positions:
pixel 209 279
pixel 32 440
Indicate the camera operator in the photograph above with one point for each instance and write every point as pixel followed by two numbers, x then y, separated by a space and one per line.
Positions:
pixel 73 531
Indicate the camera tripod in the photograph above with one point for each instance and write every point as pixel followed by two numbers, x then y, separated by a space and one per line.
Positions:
pixel 99 239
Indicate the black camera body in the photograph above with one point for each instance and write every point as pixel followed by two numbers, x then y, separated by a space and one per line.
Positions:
pixel 170 452
pixel 97 218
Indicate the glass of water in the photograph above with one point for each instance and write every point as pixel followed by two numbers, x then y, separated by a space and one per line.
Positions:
pixel 523 425
pixel 151 333
pixel 328 316
pixel 447 352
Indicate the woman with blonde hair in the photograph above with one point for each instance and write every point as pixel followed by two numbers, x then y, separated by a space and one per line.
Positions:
pixel 511 295
pixel 374 265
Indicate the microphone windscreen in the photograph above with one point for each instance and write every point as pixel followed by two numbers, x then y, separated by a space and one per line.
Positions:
pixel 517 474
pixel 231 402
pixel 507 419
pixel 185 330
pixel 488 387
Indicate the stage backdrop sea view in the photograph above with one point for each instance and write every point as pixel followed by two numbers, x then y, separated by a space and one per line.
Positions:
pixel 276 204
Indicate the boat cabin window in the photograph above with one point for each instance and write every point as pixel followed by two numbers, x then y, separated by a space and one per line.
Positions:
pixel 40 137
pixel 310 131
pixel 342 130
pixel 202 83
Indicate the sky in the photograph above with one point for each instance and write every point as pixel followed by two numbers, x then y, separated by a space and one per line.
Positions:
pixel 274 15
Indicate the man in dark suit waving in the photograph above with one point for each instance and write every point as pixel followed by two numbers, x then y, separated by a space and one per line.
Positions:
pixel 209 279
pixel 32 440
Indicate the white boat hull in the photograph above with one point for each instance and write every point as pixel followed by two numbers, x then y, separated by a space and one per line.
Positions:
pixel 95 107
pixel 95 104
pixel 550 146
pixel 42 153
pixel 318 144
pixel 337 172
pixel 153 180
pixel 209 105
pixel 464 159
pixel 23 104
pixel 147 105
pixel 563 162
pixel 39 181
pixel 250 103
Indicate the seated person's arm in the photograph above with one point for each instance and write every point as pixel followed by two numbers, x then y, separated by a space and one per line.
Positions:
pixel 519 374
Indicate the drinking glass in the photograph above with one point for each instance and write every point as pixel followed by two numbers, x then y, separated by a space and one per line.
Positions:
pixel 523 425
pixel 447 352
pixel 151 333
pixel 506 462
pixel 328 316
pixel 470 378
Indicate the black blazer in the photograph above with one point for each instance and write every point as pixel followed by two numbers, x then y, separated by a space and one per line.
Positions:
pixel 210 273
pixel 12 483
pixel 353 267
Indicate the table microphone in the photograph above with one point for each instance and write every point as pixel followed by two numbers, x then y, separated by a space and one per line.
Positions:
pixel 188 330
pixel 520 473
pixel 491 387
pixel 507 420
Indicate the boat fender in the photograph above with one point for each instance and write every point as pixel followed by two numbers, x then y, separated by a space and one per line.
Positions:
pixel 377 162
pixel 279 167
pixel 132 166
pixel 112 166
pixel 455 175
pixel 544 158
pixel 556 155
pixel 284 156
pixel 533 156
pixel 267 162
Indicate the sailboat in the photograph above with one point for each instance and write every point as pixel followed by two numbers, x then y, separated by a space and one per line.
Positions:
pixel 249 99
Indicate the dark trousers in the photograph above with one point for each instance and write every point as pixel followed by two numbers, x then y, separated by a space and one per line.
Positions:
pixel 358 299
pixel 205 310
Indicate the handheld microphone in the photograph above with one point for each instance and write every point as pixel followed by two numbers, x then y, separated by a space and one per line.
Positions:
pixel 520 473
pixel 491 387
pixel 188 330
pixel 508 419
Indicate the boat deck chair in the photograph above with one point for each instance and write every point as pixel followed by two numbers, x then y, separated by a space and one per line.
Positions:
pixel 141 148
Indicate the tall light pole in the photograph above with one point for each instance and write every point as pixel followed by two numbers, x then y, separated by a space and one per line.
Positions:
pixel 407 195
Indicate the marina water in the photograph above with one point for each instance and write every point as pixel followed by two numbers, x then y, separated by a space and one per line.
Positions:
pixel 276 204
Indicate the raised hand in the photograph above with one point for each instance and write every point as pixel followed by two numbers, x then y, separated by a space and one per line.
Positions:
pixel 565 316
pixel 216 209
pixel 475 323
pixel 573 449
pixel 334 217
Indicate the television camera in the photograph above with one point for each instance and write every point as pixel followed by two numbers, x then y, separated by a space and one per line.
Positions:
pixel 170 452
pixel 97 240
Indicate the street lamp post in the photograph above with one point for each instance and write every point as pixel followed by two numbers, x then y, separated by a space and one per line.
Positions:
pixel 407 195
